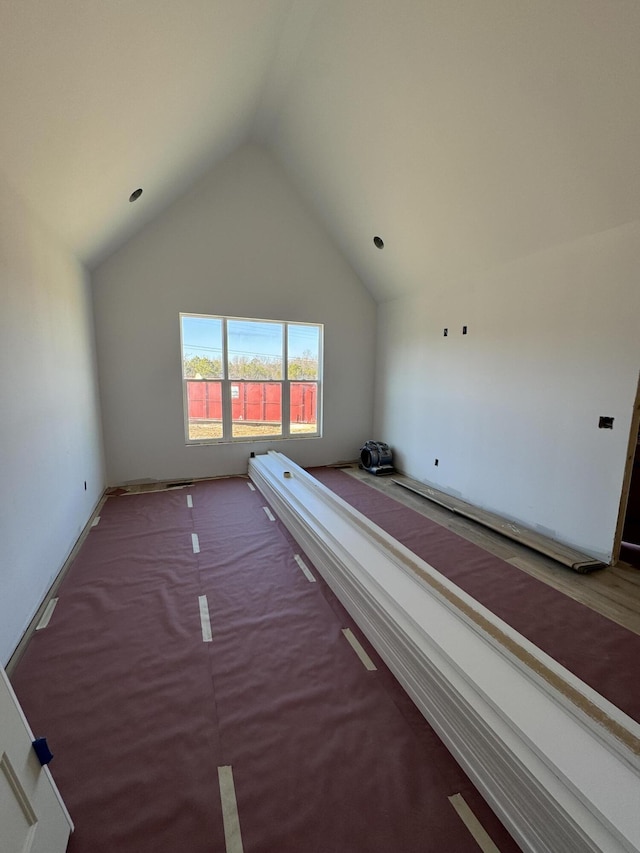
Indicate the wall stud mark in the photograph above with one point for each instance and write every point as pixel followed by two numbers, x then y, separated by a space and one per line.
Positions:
pixel 436 463
pixel 464 330
pixel 446 332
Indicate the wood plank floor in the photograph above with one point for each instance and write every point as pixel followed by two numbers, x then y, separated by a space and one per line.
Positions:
pixel 613 591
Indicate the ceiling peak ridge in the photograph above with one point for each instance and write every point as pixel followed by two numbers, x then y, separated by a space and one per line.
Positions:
pixel 298 23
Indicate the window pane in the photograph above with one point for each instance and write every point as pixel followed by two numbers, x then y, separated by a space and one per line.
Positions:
pixel 303 408
pixel 256 409
pixel 303 352
pixel 233 378
pixel 254 349
pixel 204 412
pixel 202 347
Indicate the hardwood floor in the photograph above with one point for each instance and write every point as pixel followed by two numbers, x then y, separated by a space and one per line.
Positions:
pixel 613 591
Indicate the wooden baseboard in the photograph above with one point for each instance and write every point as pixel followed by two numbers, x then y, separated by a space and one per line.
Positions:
pixel 579 562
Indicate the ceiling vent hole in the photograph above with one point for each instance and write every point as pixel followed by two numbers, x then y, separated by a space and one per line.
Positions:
pixel 135 195
pixel 378 242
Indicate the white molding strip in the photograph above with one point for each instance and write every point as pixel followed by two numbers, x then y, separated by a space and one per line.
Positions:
pixel 558 763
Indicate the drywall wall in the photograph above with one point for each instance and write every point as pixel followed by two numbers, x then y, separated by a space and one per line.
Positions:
pixel 511 410
pixel 50 440
pixel 240 243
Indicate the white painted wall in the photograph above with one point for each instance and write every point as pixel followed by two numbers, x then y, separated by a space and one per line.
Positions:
pixel 511 410
pixel 50 438
pixel 241 243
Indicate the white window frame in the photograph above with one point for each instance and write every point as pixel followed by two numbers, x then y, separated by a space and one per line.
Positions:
pixel 226 384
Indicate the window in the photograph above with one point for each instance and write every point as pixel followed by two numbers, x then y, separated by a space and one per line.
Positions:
pixel 250 379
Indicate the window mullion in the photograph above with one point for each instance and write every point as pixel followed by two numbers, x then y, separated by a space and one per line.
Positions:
pixel 286 398
pixel 286 408
pixel 226 387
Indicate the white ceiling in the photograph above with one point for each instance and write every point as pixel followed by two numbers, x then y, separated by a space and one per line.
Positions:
pixel 466 134
pixel 99 97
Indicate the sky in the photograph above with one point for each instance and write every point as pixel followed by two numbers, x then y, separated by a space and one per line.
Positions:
pixel 203 336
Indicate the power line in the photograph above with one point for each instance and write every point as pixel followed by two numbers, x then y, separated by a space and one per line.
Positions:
pixel 187 349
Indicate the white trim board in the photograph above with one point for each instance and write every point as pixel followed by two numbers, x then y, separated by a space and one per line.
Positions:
pixel 559 764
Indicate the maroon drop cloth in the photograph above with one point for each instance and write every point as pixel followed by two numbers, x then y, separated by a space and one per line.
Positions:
pixel 140 712
pixel 600 652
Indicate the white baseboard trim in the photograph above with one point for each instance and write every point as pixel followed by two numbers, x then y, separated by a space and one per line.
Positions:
pixel 558 763
pixel 49 592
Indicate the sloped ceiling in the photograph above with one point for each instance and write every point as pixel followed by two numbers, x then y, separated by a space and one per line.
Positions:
pixel 465 134
pixel 99 97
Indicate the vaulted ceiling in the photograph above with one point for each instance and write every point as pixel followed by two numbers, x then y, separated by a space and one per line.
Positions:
pixel 466 134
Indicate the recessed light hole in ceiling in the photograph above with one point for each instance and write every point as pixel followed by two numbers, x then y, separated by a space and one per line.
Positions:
pixel 378 242
pixel 135 195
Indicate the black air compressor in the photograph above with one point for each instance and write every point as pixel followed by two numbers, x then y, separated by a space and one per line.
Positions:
pixel 376 457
